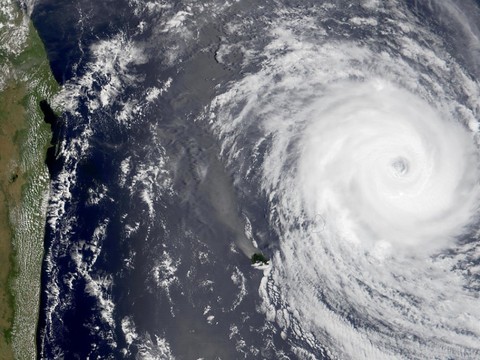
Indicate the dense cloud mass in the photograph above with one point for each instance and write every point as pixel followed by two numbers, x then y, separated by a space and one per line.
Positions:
pixel 366 148
pixel 338 138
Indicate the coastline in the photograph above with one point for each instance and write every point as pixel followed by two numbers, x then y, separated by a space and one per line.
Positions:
pixel 24 179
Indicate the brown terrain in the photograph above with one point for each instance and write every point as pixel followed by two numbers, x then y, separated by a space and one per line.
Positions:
pixel 12 128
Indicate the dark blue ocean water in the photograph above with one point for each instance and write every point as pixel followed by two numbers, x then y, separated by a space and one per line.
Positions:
pixel 165 277
pixel 154 205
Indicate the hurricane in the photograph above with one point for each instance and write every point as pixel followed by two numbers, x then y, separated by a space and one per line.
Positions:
pixel 276 179
pixel 364 148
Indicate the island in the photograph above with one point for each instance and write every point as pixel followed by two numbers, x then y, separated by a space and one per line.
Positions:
pixel 25 80
pixel 259 258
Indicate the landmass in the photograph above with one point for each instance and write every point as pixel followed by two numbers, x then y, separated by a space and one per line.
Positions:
pixel 25 80
pixel 259 258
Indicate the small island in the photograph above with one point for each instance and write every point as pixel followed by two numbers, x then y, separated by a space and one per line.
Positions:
pixel 259 258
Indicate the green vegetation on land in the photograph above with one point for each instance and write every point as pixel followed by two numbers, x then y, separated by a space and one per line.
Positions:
pixel 25 79
pixel 259 258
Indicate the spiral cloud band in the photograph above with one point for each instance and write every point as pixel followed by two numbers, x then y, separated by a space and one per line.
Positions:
pixel 365 149
pixel 384 167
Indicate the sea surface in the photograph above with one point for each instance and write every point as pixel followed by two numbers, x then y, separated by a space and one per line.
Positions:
pixel 338 138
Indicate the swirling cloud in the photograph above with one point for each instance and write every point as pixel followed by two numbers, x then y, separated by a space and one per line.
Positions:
pixel 365 148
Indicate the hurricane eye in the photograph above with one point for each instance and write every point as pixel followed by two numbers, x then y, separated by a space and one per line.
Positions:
pixel 399 166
